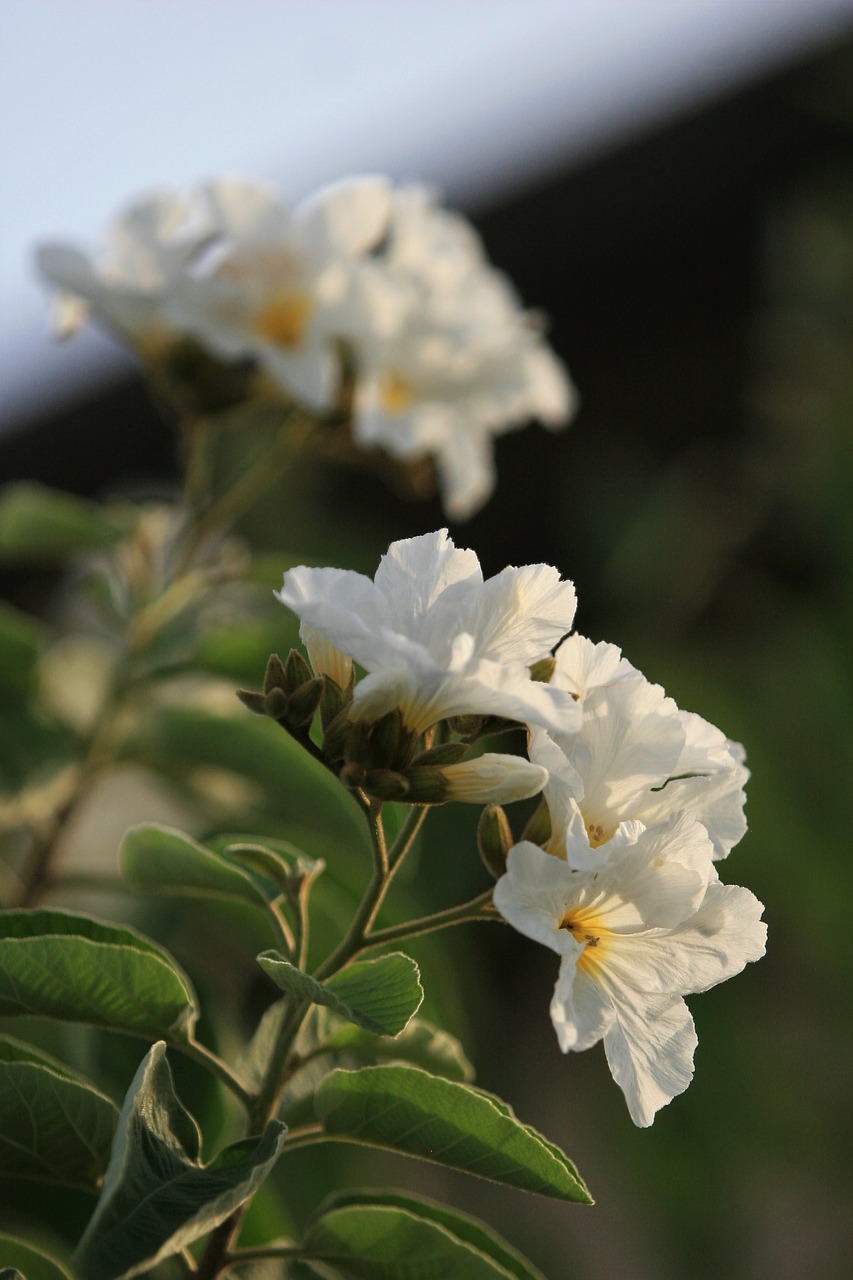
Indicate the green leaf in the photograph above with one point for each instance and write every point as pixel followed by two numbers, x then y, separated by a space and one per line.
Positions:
pixel 55 964
pixel 36 1264
pixel 157 1197
pixel 420 1044
pixel 52 1128
pixel 14 1050
pixel 157 859
pixel 379 995
pixel 405 1109
pixel 389 1237
pixel 326 1041
pixel 274 860
pixel 20 645
pixel 37 523
pixel 464 1228
pixel 177 740
pixel 351 1219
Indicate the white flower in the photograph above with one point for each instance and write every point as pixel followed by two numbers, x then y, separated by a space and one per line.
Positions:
pixel 438 641
pixel 637 757
pixel 648 925
pixel 147 248
pixel 459 363
pixel 277 285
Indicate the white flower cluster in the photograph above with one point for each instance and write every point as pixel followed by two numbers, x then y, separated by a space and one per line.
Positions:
pixel 643 798
pixel 363 282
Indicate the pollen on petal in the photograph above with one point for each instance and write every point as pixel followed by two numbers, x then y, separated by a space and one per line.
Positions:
pixel 284 319
pixel 396 393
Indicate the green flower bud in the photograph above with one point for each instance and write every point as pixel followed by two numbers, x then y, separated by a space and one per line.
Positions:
pixel 449 753
pixel 466 726
pixel 494 839
pixel 386 784
pixel 386 740
pixel 296 671
pixel 276 704
pixel 336 736
pixel 334 700
pixel 275 677
pixel 352 775
pixel 303 702
pixel 426 786
pixel 254 701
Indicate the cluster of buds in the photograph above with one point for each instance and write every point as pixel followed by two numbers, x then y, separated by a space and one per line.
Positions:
pixel 383 759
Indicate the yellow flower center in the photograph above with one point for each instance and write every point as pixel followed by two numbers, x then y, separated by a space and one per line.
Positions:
pixel 283 319
pixel 597 832
pixel 396 393
pixel 585 928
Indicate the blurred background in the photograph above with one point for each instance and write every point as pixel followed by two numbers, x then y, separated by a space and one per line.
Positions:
pixel 672 185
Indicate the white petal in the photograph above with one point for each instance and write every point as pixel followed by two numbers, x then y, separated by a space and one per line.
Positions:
pixel 580 1010
pixel 522 613
pixel 649 1047
pixel 415 572
pixel 347 217
pixel 533 895
pixel 583 666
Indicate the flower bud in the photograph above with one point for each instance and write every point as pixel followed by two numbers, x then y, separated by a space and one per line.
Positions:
pixel 386 740
pixel 494 839
pixel 336 736
pixel 466 726
pixel 352 775
pixel 303 702
pixel 274 676
pixel 448 753
pixel 254 701
pixel 426 786
pixel 334 700
pixel 296 671
pixel 386 784
pixel 494 778
pixel 276 704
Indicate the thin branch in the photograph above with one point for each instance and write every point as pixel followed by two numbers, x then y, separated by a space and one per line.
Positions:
pixel 478 908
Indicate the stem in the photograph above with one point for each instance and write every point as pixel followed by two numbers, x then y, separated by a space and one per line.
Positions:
pixel 478 908
pixel 223 513
pixel 98 753
pixel 207 1058
pixel 406 836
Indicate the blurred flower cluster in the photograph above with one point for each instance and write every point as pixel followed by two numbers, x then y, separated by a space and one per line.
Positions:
pixel 615 871
pixel 366 303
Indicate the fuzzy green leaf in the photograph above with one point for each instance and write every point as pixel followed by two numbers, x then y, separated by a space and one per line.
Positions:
pixel 52 1128
pixel 157 1197
pixel 160 860
pixel 20 645
pixel 378 995
pixel 375 1236
pixel 37 523
pixel 56 964
pixel 408 1110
